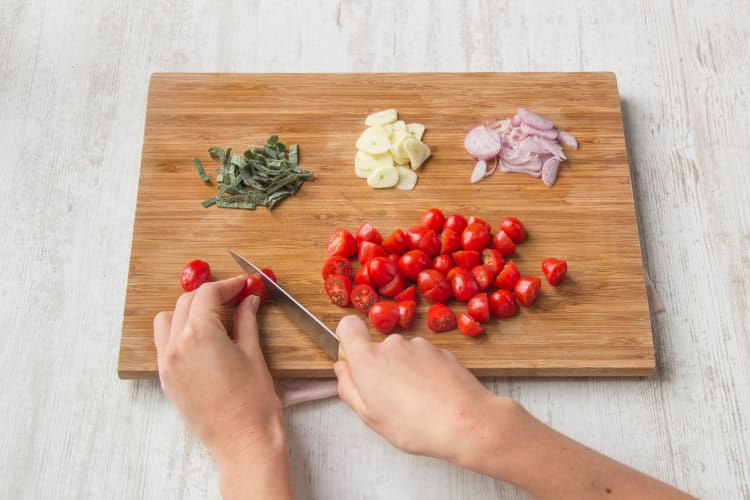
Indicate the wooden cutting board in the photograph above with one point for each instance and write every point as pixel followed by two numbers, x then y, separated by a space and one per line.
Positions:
pixel 595 323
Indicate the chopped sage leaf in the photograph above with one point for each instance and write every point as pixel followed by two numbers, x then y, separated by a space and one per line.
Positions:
pixel 201 171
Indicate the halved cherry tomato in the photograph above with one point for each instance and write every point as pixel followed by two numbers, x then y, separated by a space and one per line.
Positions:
pixel 381 270
pixel 433 285
pixel 368 233
pixel 194 274
pixel 464 285
pixel 455 222
pixel 503 304
pixel 408 293
pixel 514 229
pixel 492 259
pixel 442 263
pixel 414 235
pixel 508 276
pixel 414 261
pixel 421 238
pixel 339 289
pixel 362 297
pixel 269 272
pixel 475 237
pixel 394 258
pixel 482 275
pixel 337 264
pixel 395 286
pixel 433 219
pixel 363 276
pixel 466 259
pixel 407 311
pixel 383 315
pixel 395 243
pixel 369 250
pixel 342 243
pixel 554 270
pixel 527 290
pixel 503 244
pixel 478 308
pixel 468 325
pixel 453 271
pixel 476 220
pixel 450 241
pixel 254 285
pixel 440 318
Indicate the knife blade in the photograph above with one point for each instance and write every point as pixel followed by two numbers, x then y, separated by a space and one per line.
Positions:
pixel 312 326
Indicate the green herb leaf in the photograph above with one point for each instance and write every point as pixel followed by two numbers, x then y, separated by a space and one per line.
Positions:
pixel 201 171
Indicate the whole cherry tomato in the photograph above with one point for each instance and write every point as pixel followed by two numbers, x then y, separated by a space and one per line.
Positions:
pixel 455 222
pixel 194 274
pixel 407 311
pixel 337 264
pixel 514 229
pixel 339 289
pixel 450 241
pixel 254 285
pixel 468 325
pixel 475 237
pixel 508 276
pixel 414 261
pixel 368 233
pixel 442 263
pixel 433 219
pixel 383 315
pixel 369 250
pixel 554 270
pixel 362 297
pixel 478 308
pixel 503 244
pixel 464 285
pixel 440 318
pixel 503 304
pixel 342 243
pixel 527 290
pixel 395 243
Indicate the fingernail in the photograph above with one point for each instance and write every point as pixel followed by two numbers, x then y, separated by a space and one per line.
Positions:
pixel 254 302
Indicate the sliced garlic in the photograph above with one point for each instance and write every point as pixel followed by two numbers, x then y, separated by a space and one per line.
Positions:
pixel 381 117
pixel 416 129
pixel 407 178
pixel 418 153
pixel 384 177
pixel 374 140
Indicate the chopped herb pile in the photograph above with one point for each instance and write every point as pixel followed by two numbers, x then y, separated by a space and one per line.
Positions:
pixel 261 177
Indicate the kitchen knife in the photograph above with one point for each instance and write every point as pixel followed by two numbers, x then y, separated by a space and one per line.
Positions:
pixel 313 327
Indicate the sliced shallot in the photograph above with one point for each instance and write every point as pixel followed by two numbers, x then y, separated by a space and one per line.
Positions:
pixel 567 140
pixel 483 143
pixel 480 169
pixel 550 134
pixel 534 119
pixel 549 171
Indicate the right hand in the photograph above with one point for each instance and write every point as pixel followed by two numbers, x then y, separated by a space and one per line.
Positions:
pixel 414 394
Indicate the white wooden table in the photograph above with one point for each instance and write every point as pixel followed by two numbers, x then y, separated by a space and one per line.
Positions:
pixel 73 83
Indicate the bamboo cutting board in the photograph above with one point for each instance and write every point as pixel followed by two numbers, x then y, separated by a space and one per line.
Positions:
pixel 595 323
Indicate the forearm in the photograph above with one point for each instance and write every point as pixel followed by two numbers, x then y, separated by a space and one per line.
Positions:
pixel 514 446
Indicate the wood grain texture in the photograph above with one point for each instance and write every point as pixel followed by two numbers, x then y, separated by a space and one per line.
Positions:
pixel 73 79
pixel 595 323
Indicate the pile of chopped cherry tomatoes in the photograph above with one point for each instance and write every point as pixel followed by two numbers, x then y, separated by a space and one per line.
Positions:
pixel 443 257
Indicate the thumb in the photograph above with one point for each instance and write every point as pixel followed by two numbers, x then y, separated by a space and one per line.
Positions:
pixel 353 336
pixel 348 391
pixel 245 325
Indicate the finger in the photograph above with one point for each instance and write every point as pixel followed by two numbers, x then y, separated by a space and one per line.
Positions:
pixel 211 296
pixel 348 391
pixel 245 325
pixel 162 325
pixel 180 316
pixel 353 334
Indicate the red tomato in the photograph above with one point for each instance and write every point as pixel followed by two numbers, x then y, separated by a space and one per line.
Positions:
pixel 381 270
pixel 369 250
pixel 342 243
pixel 383 315
pixel 414 235
pixel 414 261
pixel 442 263
pixel 395 242
pixel 508 276
pixel 394 258
pixel 492 259
pixel 450 241
pixel 466 259
pixel 394 287
pixel 503 304
pixel 527 290
pixel 363 276
pixel 475 237
pixel 514 229
pixel 434 286
pixel 409 293
pixel 254 285
pixel 429 243
pixel 453 271
pixel 362 297
pixel 440 318
pixel 269 272
pixel 464 286
pixel 478 308
pixel 339 289
pixel 482 275
pixel 194 274
pixel 554 270
pixel 407 311
pixel 455 222
pixel 503 244
pixel 368 233
pixel 476 220
pixel 337 264
pixel 433 219
pixel 468 325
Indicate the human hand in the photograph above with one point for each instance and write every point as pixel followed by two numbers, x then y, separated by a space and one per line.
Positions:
pixel 414 394
pixel 220 385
